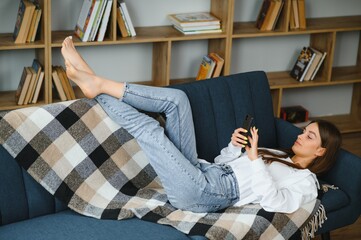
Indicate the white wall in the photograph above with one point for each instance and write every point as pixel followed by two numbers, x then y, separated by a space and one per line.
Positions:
pixel 132 62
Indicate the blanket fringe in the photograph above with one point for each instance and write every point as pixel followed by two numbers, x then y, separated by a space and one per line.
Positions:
pixel 309 230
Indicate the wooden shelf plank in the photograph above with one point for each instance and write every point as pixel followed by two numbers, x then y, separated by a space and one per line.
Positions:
pixel 7 43
pixel 7 101
pixel 284 80
pixel 144 35
pixel 348 73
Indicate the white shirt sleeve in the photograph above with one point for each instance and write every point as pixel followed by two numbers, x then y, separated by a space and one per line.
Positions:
pixel 228 154
pixel 286 199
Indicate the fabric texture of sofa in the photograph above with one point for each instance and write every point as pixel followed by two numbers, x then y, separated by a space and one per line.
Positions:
pixel 219 105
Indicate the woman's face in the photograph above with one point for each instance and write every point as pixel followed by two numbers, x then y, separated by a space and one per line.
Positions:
pixel 308 143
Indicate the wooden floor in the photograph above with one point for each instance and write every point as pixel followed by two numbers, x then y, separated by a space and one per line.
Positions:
pixel 352 143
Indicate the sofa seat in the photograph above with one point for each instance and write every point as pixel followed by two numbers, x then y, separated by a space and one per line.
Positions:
pixel 70 225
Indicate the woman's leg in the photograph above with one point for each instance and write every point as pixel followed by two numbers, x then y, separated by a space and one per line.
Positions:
pixel 174 103
pixel 198 188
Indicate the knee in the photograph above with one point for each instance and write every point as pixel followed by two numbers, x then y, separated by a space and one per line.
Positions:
pixel 179 96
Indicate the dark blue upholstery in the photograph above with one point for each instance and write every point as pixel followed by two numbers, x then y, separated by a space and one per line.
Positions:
pixel 27 211
pixel 220 105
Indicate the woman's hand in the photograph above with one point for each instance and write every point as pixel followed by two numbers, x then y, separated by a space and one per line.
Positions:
pixel 238 139
pixel 253 150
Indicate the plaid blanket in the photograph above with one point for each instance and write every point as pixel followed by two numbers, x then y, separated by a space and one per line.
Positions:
pixel 78 154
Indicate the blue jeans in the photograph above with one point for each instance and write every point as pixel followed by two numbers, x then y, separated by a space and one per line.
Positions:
pixel 189 184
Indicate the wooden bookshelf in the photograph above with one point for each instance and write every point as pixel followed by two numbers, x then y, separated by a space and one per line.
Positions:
pixel 322 32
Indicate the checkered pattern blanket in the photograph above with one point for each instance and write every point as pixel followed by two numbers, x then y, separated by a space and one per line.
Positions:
pixel 78 154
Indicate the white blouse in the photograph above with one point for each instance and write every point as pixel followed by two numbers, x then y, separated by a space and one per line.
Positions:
pixel 276 186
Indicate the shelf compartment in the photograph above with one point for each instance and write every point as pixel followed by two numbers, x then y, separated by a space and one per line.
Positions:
pixel 346 123
pixel 314 25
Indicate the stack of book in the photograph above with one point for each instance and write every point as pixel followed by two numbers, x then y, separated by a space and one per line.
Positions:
pixel 27 21
pixel 297 15
pixel 93 20
pixel 62 84
pixel 211 66
pixel 125 23
pixel 268 14
pixel 30 84
pixel 307 64
pixel 195 23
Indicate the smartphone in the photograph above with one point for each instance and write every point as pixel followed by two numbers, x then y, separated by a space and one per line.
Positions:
pixel 247 124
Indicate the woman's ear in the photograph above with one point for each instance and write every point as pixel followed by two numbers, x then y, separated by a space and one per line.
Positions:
pixel 320 151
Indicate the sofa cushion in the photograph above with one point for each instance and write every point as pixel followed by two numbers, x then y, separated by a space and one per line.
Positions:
pixel 70 225
pixel 220 105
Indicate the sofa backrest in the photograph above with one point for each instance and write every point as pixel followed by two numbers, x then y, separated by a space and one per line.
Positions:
pixel 220 105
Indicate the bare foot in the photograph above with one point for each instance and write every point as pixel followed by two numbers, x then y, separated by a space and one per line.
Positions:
pixel 71 54
pixel 88 83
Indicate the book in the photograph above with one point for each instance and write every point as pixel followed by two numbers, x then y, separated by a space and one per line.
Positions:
pixel 273 12
pixel 37 23
pixel 34 22
pixel 97 20
pixel 68 89
pixel 219 64
pixel 318 65
pixel 121 21
pixel 31 85
pixel 206 68
pixel 39 83
pixel 301 13
pixel 302 64
pixel 128 20
pixel 198 31
pixel 294 114
pixel 314 64
pixel 105 20
pixel 36 66
pixel 58 85
pixel 193 19
pixel 199 28
pixel 295 17
pixel 24 15
pixel 86 19
pixel 23 86
pixel 265 8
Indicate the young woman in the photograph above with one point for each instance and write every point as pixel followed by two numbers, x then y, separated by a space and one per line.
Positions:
pixel 277 181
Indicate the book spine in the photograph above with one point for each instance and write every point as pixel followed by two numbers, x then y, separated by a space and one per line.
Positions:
pixel 318 66
pixel 91 23
pixel 105 20
pixel 84 17
pixel 128 19
pixel 97 20
pixel 307 67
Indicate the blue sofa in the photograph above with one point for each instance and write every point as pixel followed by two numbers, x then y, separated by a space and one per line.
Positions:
pixel 27 211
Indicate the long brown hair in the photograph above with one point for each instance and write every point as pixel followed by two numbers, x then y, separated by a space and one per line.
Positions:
pixel 330 140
